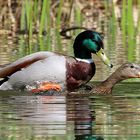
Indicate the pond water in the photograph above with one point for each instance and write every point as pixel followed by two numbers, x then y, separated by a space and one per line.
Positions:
pixel 111 117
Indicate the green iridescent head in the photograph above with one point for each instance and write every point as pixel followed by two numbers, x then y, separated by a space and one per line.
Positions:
pixel 88 42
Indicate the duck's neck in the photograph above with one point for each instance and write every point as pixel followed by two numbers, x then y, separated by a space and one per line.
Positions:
pixel 106 86
pixel 80 51
pixel 85 60
pixel 112 80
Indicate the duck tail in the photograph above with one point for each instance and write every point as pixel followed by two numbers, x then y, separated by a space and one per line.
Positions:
pixel 2 80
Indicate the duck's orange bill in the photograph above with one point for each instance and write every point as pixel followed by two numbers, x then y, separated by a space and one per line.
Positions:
pixel 47 86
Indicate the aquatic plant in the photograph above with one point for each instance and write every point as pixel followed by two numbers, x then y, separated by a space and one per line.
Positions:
pixel 128 29
pixel 42 16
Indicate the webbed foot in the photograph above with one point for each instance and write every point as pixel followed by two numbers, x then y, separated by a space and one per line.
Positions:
pixel 46 86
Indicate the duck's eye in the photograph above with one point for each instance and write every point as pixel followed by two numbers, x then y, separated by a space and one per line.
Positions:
pixel 131 66
pixel 102 53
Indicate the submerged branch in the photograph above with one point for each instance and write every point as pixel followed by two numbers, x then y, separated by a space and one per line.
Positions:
pixel 64 31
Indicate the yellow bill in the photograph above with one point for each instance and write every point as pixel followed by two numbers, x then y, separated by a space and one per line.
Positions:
pixel 104 58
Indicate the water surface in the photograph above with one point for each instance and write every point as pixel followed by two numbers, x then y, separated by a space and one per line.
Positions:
pixel 115 116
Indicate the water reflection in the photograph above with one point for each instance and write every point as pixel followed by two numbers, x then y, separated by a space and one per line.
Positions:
pixel 33 116
pixel 114 116
pixel 117 116
pixel 79 113
pixel 46 116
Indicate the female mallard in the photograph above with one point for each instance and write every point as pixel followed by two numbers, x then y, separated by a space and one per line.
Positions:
pixel 125 71
pixel 49 70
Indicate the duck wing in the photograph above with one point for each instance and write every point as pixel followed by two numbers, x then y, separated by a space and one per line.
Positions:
pixel 23 62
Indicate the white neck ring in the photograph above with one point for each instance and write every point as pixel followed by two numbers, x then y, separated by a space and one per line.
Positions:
pixel 85 60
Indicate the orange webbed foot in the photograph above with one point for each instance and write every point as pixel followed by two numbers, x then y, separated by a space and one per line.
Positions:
pixel 46 86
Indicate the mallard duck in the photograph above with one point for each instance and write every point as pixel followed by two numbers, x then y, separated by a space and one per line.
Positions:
pixel 125 71
pixel 50 70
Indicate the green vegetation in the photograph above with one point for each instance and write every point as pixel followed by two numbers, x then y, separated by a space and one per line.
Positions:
pixel 43 15
pixel 130 27
pixel 42 21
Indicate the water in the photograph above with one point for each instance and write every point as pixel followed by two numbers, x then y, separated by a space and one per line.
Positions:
pixel 112 117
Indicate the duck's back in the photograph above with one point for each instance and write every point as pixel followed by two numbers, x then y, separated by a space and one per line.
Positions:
pixel 51 69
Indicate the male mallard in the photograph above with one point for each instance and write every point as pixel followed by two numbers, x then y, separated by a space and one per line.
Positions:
pixel 49 70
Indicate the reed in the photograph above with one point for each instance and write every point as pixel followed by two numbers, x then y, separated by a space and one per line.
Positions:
pixel 43 16
pixel 113 27
pixel 58 40
pixel 36 7
pixel 27 13
pixel 123 23
pixel 128 29
pixel 59 12
pixel 23 19
pixel 36 15
pixel 48 15
pixel 48 41
pixel 131 32
pixel 41 43
pixel 78 16
pixel 138 29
